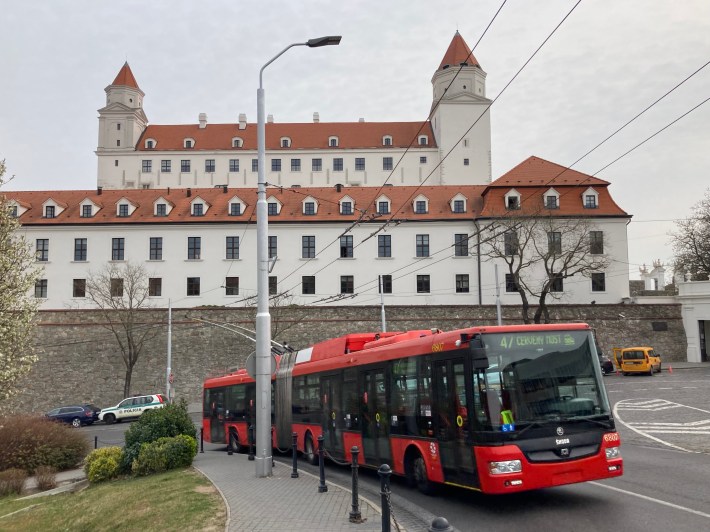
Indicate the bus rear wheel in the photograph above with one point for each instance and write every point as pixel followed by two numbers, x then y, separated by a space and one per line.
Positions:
pixel 417 475
pixel 309 452
pixel 234 442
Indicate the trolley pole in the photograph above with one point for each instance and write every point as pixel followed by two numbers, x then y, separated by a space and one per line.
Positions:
pixel 382 304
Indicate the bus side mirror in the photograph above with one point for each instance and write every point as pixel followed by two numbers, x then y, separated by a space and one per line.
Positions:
pixel 478 353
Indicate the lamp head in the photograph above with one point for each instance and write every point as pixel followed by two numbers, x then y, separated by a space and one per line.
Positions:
pixel 331 40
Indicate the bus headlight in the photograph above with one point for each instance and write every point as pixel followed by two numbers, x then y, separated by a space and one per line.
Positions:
pixel 508 466
pixel 612 452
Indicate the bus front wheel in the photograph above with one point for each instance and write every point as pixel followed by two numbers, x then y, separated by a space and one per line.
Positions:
pixel 418 475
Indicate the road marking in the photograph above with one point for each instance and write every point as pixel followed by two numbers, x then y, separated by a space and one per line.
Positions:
pixel 653 499
pixel 618 417
pixel 689 387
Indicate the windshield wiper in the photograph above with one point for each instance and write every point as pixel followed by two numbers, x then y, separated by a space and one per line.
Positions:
pixel 594 418
pixel 531 424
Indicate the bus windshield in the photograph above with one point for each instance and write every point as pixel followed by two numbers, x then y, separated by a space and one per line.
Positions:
pixel 538 377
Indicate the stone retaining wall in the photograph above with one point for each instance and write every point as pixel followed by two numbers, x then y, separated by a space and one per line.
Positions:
pixel 79 359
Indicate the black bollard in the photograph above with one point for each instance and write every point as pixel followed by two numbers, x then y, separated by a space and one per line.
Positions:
pixel 294 472
pixel 355 515
pixel 229 443
pixel 439 524
pixel 251 442
pixel 385 472
pixel 322 488
pixel 96 442
pixel 202 440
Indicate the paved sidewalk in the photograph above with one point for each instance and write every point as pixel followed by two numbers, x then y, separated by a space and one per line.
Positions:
pixel 280 502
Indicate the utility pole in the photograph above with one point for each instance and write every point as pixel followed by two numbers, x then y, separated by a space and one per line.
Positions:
pixel 169 373
pixel 382 304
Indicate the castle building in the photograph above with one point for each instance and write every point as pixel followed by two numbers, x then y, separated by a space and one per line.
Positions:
pixel 406 211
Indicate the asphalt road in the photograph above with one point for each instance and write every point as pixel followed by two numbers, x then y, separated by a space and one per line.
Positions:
pixel 664 422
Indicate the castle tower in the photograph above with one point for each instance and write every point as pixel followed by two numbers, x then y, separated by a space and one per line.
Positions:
pixel 460 100
pixel 122 120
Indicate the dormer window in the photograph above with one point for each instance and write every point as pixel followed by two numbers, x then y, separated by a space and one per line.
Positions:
pixel 387 140
pixel 235 209
pixel 150 144
pixel 285 142
pixel 421 205
pixel 333 142
pixel 512 200
pixel 459 206
pixel 49 211
pixel 383 205
pixel 423 140
pixel 310 206
pixel 273 208
pixel 161 209
pixel 346 207
pixel 189 143
pixel 198 209
pixel 13 211
pixel 237 142
pixel 590 198
pixel 86 211
pixel 123 210
pixel 551 202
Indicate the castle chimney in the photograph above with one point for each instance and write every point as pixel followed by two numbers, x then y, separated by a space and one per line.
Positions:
pixel 203 120
pixel 224 189
pixel 242 121
pixel 270 119
pixel 189 192
pixel 99 190
pixel 316 118
pixel 338 187
pixel 361 120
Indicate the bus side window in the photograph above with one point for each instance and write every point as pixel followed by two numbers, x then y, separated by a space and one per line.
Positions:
pixel 425 400
pixel 351 406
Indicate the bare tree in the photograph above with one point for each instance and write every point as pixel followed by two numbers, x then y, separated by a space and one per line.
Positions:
pixel 18 276
pixel 691 241
pixel 541 252
pixel 281 307
pixel 119 291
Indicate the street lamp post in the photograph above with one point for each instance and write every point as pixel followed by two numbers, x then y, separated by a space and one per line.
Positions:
pixel 263 318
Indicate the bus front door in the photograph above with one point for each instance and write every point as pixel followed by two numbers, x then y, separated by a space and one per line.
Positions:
pixel 331 387
pixel 375 424
pixel 452 426
pixel 217 416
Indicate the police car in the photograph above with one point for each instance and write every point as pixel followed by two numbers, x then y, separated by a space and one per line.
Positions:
pixel 131 407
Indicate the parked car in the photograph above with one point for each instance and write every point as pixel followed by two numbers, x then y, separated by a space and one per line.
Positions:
pixel 640 360
pixel 77 415
pixel 606 364
pixel 131 407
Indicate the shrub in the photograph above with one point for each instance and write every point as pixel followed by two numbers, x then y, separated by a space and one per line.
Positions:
pixel 29 442
pixel 46 477
pixel 103 464
pixel 164 454
pixel 167 422
pixel 12 481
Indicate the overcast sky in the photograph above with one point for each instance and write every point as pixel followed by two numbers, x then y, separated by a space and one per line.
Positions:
pixel 608 61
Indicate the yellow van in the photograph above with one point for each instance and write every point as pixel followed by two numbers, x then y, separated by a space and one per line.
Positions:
pixel 640 360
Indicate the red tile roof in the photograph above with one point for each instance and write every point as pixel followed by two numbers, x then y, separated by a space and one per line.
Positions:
pixel 125 77
pixel 534 177
pixel 290 198
pixel 351 135
pixel 458 53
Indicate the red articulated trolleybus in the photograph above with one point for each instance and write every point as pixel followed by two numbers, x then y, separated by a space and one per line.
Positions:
pixel 498 409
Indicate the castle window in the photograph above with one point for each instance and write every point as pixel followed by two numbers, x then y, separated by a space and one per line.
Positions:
pixel 237 142
pixel 189 143
pixel 118 127
pixel 333 142
pixel 285 142
pixel 387 140
pixel 423 140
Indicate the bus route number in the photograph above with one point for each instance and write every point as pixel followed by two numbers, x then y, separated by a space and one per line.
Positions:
pixel 437 348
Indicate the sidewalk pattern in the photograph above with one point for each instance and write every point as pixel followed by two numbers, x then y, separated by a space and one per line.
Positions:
pixel 280 502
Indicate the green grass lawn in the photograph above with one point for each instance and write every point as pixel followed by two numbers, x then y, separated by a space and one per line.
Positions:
pixel 176 500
